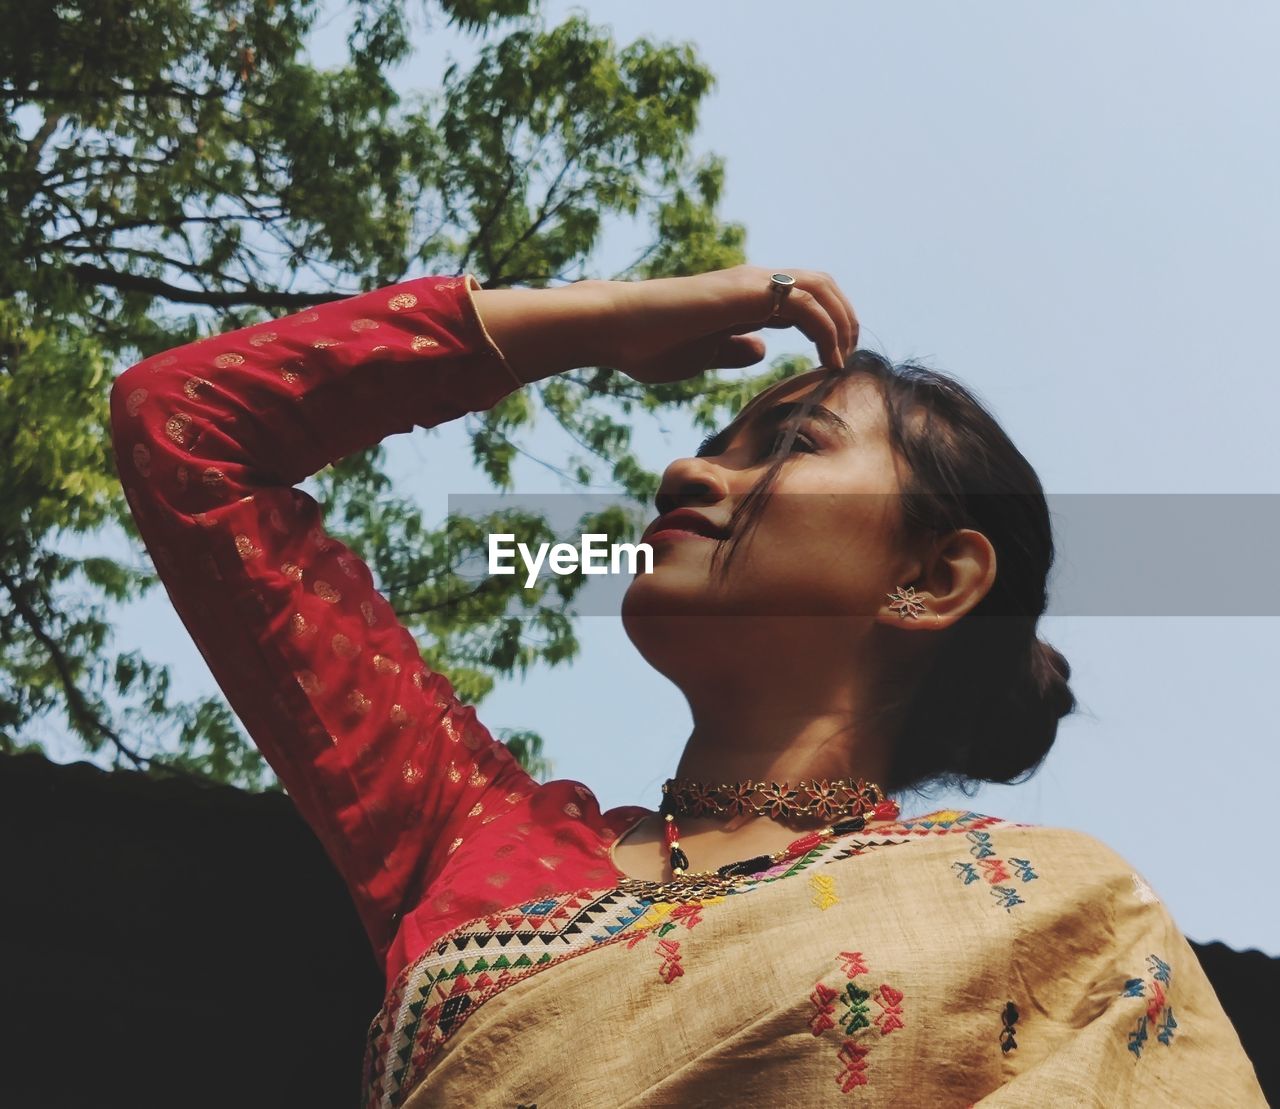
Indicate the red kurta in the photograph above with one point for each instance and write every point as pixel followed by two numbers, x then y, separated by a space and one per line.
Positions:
pixel 430 820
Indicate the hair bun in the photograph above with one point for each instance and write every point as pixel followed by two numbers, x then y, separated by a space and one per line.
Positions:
pixel 985 704
pixel 1018 727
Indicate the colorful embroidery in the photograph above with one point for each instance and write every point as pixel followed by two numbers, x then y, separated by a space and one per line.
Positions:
pixel 945 821
pixel 1023 868
pixel 1007 897
pixel 1009 1017
pixel 853 1056
pixel 671 968
pixel 433 997
pixel 824 887
pixel 822 1000
pixel 1158 1013
pixel 1156 1003
pixel 890 1001
pixel 637 937
pixel 851 963
pixel 981 841
pixel 661 919
pixel 855 1016
pixel 1138 1037
pixel 855 1011
pixel 665 916
pixel 994 869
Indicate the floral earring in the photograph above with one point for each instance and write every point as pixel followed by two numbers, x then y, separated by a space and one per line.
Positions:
pixel 905 602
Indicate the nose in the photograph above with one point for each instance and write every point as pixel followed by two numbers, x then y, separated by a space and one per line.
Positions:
pixel 688 482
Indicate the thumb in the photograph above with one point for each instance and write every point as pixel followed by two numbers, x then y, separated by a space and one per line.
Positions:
pixel 738 351
pixel 712 352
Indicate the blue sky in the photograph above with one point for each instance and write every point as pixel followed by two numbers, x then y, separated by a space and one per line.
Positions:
pixel 1072 209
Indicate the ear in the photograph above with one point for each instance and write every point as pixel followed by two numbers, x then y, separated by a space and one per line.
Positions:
pixel 950 580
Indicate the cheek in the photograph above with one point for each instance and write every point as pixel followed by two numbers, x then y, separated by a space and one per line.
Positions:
pixel 821 522
pixel 834 543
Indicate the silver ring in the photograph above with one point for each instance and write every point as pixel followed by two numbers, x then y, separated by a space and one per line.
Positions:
pixel 781 284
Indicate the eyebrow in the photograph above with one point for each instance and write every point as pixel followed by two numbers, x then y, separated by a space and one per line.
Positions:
pixel 777 414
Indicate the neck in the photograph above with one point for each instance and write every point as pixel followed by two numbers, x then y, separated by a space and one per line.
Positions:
pixel 737 739
pixel 788 702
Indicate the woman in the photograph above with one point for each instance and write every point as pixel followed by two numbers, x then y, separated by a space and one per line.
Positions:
pixel 846 585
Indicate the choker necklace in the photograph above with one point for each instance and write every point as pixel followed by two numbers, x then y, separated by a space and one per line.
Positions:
pixel 854 801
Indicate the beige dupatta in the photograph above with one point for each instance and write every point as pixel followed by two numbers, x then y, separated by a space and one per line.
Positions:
pixel 950 960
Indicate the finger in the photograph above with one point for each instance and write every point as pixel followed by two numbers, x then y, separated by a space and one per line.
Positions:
pixel 722 351
pixel 803 310
pixel 841 304
pixel 737 352
pixel 824 287
pixel 855 326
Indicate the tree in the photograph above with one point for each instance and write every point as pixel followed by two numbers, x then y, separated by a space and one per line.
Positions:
pixel 173 167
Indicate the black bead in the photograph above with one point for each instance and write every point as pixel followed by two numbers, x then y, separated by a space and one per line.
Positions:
pixel 679 859
pixel 853 824
pixel 747 866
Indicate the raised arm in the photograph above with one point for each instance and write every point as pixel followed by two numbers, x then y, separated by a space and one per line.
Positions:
pixel 380 757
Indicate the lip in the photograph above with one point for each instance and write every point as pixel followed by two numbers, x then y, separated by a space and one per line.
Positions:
pixel 682 523
pixel 662 535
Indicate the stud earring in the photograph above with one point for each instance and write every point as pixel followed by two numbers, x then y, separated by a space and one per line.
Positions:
pixel 905 602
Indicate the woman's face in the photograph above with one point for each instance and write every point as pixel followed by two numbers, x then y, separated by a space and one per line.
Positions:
pixel 826 544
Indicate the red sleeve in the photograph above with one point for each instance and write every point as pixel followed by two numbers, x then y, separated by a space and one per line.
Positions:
pixel 381 759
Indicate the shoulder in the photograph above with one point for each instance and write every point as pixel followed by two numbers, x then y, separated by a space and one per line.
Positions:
pixel 1073 871
pixel 569 801
pixel 1072 851
pixel 1071 845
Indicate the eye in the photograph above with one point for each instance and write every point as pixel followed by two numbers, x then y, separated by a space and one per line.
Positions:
pixel 801 444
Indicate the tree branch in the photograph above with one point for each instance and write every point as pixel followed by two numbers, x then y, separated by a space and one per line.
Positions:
pixel 137 283
pixel 447 603
pixel 78 708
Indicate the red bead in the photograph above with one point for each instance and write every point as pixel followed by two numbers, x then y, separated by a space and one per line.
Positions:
pixel 805 844
pixel 672 833
pixel 886 810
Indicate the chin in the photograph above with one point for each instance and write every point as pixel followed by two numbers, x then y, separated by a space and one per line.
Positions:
pixel 671 614
pixel 681 627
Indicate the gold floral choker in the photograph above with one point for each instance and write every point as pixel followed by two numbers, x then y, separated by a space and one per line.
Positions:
pixel 855 802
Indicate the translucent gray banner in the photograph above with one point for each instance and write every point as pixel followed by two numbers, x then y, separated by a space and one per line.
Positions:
pixel 1118 554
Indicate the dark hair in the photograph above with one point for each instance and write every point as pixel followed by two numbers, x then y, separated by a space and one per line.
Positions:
pixel 989 705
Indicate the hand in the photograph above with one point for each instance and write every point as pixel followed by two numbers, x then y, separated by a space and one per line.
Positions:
pixel 672 328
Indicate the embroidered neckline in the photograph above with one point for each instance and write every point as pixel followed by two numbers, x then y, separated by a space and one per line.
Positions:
pixel 826 852
pixel 434 994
